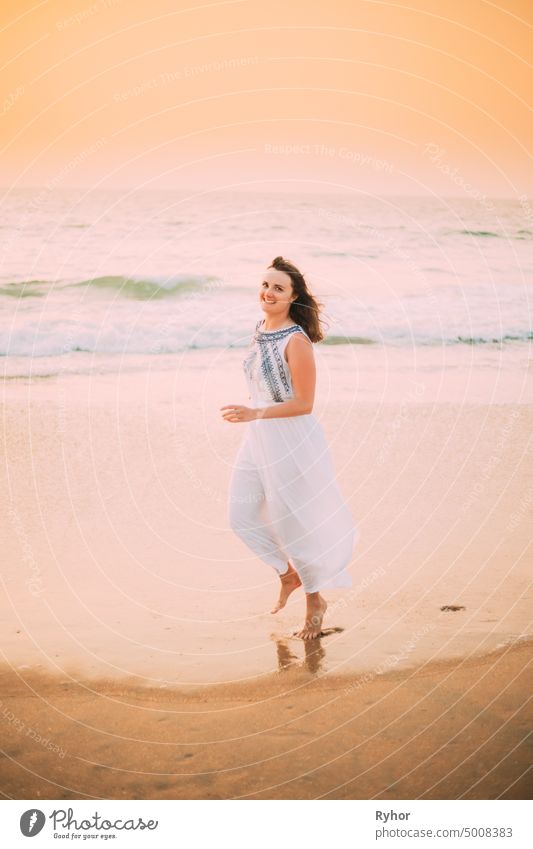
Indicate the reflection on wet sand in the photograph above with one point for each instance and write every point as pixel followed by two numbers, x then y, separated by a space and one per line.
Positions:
pixel 314 650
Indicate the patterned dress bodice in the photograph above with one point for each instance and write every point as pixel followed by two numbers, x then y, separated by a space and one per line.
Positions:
pixel 266 370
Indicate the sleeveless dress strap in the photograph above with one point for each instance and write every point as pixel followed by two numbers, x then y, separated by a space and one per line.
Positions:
pixel 304 332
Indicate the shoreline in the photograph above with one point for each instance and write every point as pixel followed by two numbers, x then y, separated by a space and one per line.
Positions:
pixel 446 729
pixel 353 374
pixel 119 558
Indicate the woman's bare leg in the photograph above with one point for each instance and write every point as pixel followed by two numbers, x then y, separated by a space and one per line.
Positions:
pixel 290 580
pixel 316 607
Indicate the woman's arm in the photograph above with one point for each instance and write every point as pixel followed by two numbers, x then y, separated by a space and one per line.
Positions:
pixel 301 360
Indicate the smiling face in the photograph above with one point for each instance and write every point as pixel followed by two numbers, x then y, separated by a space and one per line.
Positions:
pixel 275 293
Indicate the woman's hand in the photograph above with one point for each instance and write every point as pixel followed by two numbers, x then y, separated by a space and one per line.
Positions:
pixel 238 413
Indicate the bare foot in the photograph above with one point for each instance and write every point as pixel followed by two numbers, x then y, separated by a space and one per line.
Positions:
pixel 290 580
pixel 316 608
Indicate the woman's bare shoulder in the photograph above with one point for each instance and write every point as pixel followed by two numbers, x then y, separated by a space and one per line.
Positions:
pixel 299 346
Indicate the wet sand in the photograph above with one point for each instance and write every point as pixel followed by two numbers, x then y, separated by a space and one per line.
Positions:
pixel 135 614
pixel 118 558
pixel 448 730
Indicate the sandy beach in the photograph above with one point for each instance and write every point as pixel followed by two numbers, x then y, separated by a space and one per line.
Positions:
pixel 448 730
pixel 118 558
pixel 124 588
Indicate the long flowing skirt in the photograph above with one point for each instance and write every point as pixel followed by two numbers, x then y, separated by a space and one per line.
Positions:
pixel 285 502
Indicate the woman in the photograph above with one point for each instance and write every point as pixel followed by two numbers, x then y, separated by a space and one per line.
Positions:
pixel 284 500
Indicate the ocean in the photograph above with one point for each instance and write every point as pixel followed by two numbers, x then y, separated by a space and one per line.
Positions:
pixel 100 280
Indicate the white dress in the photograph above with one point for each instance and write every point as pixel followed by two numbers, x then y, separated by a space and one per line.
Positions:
pixel 284 499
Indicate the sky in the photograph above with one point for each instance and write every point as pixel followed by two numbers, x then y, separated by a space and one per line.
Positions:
pixel 351 96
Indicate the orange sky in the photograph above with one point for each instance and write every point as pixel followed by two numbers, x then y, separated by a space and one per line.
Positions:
pixel 358 96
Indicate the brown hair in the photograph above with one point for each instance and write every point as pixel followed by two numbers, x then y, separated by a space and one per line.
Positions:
pixel 305 309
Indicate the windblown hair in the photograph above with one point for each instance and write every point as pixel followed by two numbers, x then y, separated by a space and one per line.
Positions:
pixel 305 309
